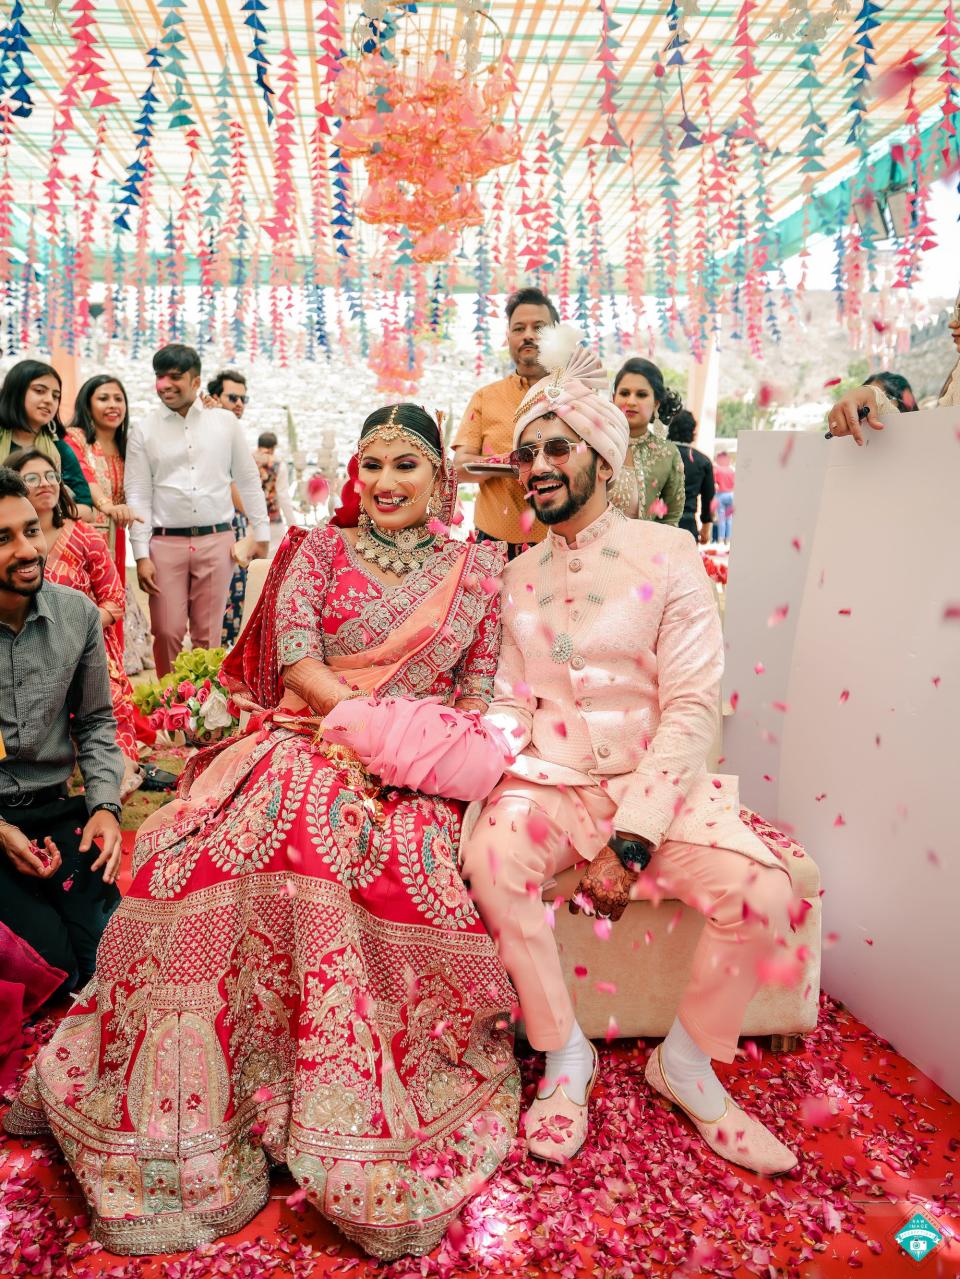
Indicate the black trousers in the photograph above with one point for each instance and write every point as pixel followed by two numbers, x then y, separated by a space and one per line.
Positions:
pixel 62 917
pixel 690 524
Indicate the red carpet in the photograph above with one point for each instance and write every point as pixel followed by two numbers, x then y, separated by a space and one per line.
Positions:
pixel 644 1198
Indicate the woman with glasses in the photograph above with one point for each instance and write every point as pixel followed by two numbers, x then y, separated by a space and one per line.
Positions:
pixel 77 556
pixel 651 484
pixel 30 419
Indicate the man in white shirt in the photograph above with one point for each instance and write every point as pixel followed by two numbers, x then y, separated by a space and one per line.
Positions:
pixel 180 464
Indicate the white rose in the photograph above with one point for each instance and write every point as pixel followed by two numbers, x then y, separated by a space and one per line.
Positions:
pixel 214 712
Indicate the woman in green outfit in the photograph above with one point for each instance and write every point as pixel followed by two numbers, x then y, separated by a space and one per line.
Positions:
pixel 650 486
pixel 30 418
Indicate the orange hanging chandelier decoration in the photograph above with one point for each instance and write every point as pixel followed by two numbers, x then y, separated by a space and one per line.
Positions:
pixel 428 122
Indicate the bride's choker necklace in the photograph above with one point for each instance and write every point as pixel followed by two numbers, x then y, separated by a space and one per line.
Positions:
pixel 397 552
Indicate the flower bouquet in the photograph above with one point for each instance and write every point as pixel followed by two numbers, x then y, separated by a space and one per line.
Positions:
pixel 190 700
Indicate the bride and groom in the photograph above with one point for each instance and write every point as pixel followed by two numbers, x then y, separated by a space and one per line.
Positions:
pixel 316 961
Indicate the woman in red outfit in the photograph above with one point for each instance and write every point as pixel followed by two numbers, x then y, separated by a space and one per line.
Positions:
pixel 297 974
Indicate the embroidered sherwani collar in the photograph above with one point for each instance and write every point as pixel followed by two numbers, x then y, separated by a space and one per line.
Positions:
pixel 600 527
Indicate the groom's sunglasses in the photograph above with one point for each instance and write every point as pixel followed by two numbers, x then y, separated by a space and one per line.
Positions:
pixel 557 450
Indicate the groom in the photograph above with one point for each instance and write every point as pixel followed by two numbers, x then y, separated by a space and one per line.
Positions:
pixel 608 689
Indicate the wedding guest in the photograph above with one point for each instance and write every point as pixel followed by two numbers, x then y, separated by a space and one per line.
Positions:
pixel 228 390
pixel 275 487
pixel 98 437
pixel 896 387
pixel 865 403
pixel 724 478
pixel 181 462
pixel 55 715
pixel 699 490
pixel 650 486
pixel 76 555
pixel 30 419
pixel 487 426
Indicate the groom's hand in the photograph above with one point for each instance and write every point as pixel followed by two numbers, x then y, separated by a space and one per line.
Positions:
pixel 606 885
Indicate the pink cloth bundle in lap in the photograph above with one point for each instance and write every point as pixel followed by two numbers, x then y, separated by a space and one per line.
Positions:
pixel 421 745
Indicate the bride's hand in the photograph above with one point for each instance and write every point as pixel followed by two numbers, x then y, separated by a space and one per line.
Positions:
pixel 317 684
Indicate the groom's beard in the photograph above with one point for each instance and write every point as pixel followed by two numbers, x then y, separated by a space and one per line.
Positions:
pixel 580 489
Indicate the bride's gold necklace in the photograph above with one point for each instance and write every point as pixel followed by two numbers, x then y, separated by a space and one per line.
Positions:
pixel 396 552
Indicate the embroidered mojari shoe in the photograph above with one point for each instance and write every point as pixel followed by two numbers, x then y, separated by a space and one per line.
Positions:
pixel 556 1127
pixel 735 1135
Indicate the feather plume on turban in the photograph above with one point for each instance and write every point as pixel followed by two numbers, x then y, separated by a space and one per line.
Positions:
pixel 576 390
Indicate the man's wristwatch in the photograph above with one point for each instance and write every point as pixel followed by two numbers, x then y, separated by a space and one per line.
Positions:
pixel 115 809
pixel 634 853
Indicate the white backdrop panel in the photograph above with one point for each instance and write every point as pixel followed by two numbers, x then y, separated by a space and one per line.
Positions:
pixel 867 780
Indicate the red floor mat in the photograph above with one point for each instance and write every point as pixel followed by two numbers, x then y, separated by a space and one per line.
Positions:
pixel 645 1197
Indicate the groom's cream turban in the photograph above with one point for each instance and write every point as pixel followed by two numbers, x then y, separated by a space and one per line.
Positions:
pixel 576 390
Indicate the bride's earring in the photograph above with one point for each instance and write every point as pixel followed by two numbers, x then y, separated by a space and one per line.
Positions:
pixel 435 504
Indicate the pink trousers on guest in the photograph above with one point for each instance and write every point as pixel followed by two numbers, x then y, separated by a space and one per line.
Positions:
pixel 193 574
pixel 506 868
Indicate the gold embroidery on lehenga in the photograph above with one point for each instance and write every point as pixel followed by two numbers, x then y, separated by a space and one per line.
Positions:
pixel 337 1093
pixel 344 820
pixel 428 866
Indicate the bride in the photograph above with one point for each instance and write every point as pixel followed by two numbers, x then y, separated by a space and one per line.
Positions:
pixel 297 974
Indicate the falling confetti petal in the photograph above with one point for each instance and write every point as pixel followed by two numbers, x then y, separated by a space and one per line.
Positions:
pixel 318 490
pixel 538 828
pixel 778 615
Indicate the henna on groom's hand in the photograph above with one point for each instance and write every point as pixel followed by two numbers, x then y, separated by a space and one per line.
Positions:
pixel 605 885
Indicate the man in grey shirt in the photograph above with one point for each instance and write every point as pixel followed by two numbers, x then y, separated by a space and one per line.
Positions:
pixel 55 711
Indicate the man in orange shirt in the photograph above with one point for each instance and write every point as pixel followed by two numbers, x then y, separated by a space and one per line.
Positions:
pixel 487 426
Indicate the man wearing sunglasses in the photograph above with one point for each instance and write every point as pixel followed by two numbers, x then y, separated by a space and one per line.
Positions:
pixel 228 390
pixel 608 690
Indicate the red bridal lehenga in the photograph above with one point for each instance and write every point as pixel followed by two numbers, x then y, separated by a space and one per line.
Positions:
pixel 297 974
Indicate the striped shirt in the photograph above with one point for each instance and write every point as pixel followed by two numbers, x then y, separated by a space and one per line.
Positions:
pixel 53 669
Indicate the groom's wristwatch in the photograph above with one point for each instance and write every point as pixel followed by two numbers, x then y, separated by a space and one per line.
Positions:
pixel 634 852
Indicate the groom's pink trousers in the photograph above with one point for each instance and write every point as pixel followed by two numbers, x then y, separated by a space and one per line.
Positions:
pixel 508 858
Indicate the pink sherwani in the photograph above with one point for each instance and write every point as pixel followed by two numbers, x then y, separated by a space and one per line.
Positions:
pixel 608 686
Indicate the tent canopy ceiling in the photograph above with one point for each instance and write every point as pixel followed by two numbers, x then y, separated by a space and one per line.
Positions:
pixel 554 45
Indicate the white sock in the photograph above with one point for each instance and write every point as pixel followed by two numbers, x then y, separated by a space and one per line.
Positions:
pixel 689 1073
pixel 569 1068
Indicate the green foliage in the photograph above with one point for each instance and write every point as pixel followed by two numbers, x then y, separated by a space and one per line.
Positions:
pixel 740 415
pixel 194 665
